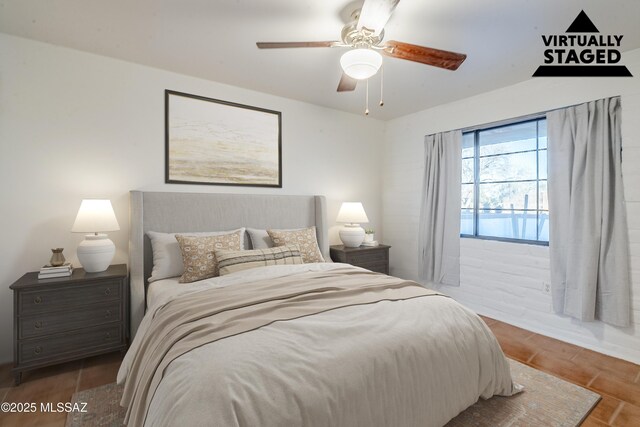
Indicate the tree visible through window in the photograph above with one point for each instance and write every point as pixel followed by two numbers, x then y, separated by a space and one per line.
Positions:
pixel 504 182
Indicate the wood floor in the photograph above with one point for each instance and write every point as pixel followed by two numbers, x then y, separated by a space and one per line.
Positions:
pixel 617 381
pixel 52 385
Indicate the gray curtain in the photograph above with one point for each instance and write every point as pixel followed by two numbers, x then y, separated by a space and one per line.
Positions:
pixel 439 231
pixel 588 240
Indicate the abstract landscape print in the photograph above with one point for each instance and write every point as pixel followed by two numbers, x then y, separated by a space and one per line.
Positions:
pixel 209 141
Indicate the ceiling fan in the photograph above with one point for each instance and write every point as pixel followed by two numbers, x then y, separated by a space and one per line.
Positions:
pixel 364 35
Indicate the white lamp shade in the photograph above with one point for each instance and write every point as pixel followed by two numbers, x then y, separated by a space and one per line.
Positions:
pixel 352 212
pixel 95 215
pixel 361 63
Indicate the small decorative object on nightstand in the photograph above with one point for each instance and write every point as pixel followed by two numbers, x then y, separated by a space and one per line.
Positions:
pixel 57 259
pixel 352 213
pixel 374 258
pixel 51 272
pixel 68 318
pixel 368 234
pixel 96 251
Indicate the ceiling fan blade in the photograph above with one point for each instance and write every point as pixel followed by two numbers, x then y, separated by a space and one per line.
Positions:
pixel 279 45
pixel 347 83
pixel 424 55
pixel 375 14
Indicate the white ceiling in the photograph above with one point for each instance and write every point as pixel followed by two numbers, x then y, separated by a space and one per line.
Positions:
pixel 215 40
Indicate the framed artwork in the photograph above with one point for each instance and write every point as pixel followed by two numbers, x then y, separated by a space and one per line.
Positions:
pixel 209 141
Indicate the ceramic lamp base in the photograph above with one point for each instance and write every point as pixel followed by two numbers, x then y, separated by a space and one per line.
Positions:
pixel 96 252
pixel 352 235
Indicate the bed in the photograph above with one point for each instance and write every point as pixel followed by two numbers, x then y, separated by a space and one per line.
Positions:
pixel 319 344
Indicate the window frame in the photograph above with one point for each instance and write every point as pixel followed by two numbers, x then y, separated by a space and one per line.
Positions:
pixel 476 177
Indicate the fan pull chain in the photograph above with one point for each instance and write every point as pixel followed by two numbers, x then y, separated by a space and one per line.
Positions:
pixel 381 85
pixel 366 111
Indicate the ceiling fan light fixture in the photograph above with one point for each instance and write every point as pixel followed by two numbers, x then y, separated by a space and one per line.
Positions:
pixel 361 63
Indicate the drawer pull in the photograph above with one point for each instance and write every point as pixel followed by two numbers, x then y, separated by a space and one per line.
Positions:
pixel 107 335
pixel 107 291
pixel 38 324
pixel 37 350
pixel 108 313
pixel 37 300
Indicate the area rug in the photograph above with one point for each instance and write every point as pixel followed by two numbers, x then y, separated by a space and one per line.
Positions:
pixel 547 401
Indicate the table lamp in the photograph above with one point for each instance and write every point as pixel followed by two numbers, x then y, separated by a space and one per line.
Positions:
pixel 352 214
pixel 96 251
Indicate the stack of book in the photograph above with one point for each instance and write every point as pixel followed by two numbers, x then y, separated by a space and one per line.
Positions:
pixel 50 272
pixel 371 243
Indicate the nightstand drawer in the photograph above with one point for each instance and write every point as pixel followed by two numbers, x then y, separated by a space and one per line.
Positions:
pixel 374 258
pixel 32 302
pixel 378 267
pixel 76 318
pixel 367 257
pixel 82 341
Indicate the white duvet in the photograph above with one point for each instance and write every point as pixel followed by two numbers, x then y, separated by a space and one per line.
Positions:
pixel 415 362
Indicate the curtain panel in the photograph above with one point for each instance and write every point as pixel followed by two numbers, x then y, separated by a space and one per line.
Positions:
pixel 439 230
pixel 588 240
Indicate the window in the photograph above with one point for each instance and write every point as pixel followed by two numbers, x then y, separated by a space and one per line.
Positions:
pixel 504 182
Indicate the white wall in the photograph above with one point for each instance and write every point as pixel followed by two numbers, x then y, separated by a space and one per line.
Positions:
pixel 76 125
pixel 504 280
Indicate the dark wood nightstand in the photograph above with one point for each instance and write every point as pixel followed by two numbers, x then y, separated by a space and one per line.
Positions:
pixel 374 258
pixel 69 318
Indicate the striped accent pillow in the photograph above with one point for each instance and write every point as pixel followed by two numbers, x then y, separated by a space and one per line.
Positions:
pixel 232 261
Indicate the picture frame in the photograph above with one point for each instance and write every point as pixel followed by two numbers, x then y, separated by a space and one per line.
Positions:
pixel 213 142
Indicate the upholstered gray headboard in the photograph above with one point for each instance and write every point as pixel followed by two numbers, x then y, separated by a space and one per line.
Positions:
pixel 183 212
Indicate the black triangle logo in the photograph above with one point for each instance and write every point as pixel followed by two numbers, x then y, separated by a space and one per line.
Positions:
pixel 582 24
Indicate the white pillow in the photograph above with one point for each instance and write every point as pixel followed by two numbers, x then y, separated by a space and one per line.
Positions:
pixel 167 257
pixel 259 238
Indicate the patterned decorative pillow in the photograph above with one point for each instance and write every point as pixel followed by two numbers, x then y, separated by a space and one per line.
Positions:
pixel 232 261
pixel 198 254
pixel 167 257
pixel 304 238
